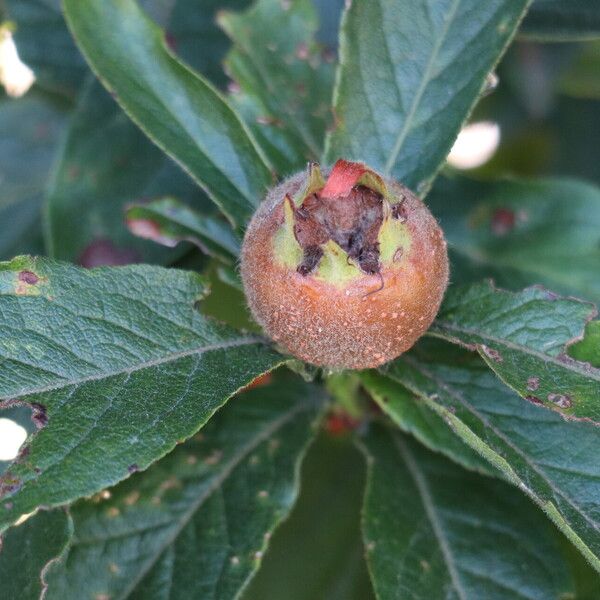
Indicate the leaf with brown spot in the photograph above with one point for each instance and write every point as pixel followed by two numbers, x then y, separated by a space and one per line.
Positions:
pixel 199 524
pixel 524 337
pixel 114 363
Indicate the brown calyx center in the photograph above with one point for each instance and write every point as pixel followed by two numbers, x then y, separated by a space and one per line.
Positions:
pixel 352 221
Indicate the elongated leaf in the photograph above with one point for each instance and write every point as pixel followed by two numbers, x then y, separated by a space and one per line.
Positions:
pixel 318 552
pixel 177 109
pixel 559 20
pixel 588 349
pixel 30 127
pixel 117 366
pixel 168 221
pixel 27 551
pixel 552 460
pixel 410 73
pixel 523 338
pixel 414 416
pixel 45 45
pixel 434 531
pixel 523 232
pixel 199 520
pixel 106 162
pixel 285 79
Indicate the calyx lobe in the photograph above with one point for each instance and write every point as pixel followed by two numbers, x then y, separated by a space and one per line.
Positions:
pixel 349 208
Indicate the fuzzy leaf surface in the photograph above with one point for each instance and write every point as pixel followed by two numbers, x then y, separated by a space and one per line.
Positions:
pixel 523 232
pixel 552 460
pixel 285 79
pixel 179 110
pixel 435 531
pixel 552 20
pixel 523 337
pixel 115 363
pixel 588 349
pixel 26 552
pixel 169 221
pixel 198 521
pixel 409 74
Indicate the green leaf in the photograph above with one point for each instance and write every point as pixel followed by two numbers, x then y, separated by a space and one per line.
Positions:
pixel 433 530
pixel 409 75
pixel 30 127
pixel 552 20
pixel 116 363
pixel 27 551
pixel 588 349
pixel 45 45
pixel 177 109
pixel 285 79
pixel 552 460
pixel 318 552
pixel 199 520
pixel 194 35
pixel 523 232
pixel 168 221
pixel 105 163
pixel 523 338
pixel 409 413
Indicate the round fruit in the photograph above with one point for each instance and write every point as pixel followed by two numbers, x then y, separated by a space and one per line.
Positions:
pixel 346 272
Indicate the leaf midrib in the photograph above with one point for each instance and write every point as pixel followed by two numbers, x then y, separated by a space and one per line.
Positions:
pixel 574 367
pixel 247 341
pixel 262 436
pixel 431 512
pixel 421 89
pixel 533 466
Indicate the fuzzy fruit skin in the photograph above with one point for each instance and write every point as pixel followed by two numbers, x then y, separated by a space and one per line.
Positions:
pixel 350 327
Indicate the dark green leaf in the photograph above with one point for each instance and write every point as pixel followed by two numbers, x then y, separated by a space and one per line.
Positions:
pixel 414 416
pixel 168 221
pixel 433 530
pixel 285 79
pixel 28 550
pixel 177 109
pixel 552 460
pixel 523 232
pixel 30 131
pixel 194 35
pixel 410 73
pixel 317 554
pixel 45 45
pixel 523 338
pixel 105 163
pixel 588 349
pixel 566 20
pixel 115 363
pixel 198 521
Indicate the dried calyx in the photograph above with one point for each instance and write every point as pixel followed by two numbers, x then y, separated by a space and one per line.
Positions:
pixel 345 212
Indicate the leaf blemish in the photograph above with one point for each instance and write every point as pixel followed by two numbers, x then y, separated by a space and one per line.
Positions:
pixel 533 383
pixel 39 416
pixel 28 277
pixel 533 399
pixel 561 400
pixel 491 353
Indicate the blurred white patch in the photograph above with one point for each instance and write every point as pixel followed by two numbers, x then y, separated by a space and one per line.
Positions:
pixel 12 436
pixel 15 76
pixel 475 145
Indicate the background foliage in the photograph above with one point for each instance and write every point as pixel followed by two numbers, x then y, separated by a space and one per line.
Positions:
pixel 467 468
